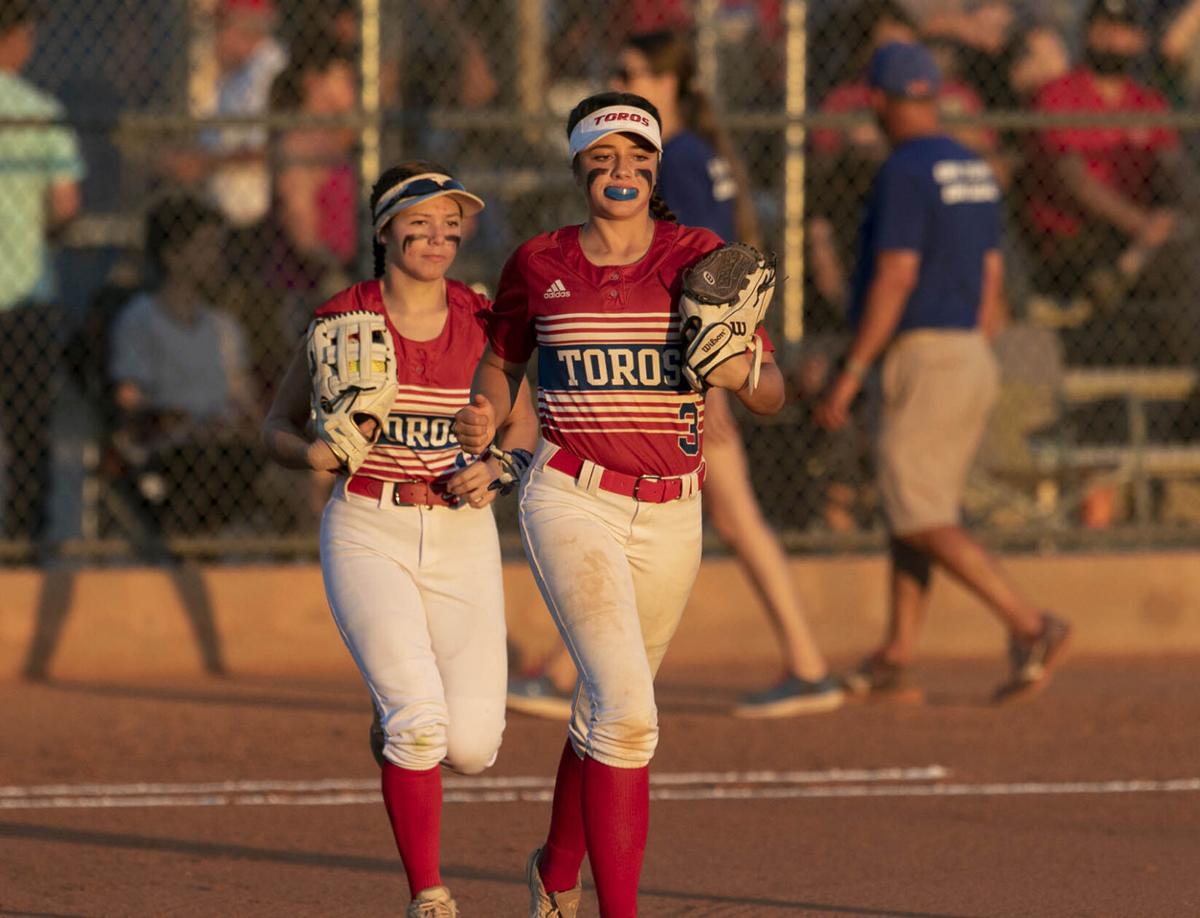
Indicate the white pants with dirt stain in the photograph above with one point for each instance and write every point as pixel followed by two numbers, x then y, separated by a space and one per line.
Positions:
pixel 616 575
pixel 417 594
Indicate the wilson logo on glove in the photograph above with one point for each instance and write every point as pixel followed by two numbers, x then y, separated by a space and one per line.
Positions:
pixel 718 337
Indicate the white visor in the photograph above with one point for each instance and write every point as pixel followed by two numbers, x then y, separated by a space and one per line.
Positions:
pixel 616 119
pixel 417 189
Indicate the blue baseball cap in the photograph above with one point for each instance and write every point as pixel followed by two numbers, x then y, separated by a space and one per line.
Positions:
pixel 904 71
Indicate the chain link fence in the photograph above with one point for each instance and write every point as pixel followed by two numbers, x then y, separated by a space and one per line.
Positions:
pixel 182 182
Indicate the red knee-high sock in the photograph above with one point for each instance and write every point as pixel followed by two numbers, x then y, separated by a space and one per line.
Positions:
pixel 565 845
pixel 414 806
pixel 616 818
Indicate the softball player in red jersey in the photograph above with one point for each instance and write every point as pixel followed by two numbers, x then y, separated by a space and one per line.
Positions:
pixel 409 551
pixel 610 510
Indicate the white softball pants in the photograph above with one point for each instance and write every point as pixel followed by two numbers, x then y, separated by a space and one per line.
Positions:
pixel 418 597
pixel 616 575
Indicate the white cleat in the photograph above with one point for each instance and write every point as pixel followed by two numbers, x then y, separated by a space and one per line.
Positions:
pixel 434 902
pixel 544 904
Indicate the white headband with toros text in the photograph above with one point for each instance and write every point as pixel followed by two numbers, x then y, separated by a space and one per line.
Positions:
pixel 615 119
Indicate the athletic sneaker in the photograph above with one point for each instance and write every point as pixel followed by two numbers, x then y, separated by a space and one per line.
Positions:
pixel 792 696
pixel 539 697
pixel 878 679
pixel 434 902
pixel 1033 662
pixel 544 904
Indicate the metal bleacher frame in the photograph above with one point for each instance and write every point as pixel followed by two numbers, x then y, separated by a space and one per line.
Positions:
pixel 1136 462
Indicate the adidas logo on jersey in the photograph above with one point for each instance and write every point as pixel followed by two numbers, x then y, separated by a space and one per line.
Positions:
pixel 555 291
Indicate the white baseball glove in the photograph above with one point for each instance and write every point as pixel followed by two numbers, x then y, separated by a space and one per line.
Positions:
pixel 353 364
pixel 725 297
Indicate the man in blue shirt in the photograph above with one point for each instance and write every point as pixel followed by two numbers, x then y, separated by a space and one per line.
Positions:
pixel 927 289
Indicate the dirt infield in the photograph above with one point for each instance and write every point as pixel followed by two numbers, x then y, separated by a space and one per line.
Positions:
pixel 1084 802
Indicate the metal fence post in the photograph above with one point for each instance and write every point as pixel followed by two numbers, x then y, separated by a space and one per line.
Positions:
pixel 369 69
pixel 532 73
pixel 793 171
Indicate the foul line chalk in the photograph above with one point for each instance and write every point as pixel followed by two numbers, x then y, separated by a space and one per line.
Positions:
pixel 301 794
pixel 455 782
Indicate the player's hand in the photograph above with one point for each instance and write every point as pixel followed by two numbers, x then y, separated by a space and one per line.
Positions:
pixel 471 484
pixel 321 458
pixel 475 426
pixel 833 410
pixel 367 425
pixel 733 373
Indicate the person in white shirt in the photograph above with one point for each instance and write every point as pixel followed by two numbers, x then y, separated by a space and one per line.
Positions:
pixel 250 59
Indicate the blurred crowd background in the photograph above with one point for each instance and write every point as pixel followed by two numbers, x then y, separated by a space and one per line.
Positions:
pixel 181 182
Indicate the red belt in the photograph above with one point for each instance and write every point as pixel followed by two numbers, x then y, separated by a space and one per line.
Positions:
pixel 651 489
pixel 414 492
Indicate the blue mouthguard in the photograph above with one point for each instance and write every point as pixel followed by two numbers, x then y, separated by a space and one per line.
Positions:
pixel 620 194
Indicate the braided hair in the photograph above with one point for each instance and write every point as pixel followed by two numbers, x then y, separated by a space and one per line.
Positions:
pixel 387 181
pixel 658 207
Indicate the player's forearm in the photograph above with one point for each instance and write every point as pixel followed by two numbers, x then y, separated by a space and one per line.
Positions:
pixel 768 396
pixel 521 429
pixel 286 444
pixel 499 382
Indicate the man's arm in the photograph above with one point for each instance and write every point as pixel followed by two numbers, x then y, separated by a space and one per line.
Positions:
pixel 993 310
pixel 896 273
pixel 64 201
pixel 1179 37
pixel 1098 199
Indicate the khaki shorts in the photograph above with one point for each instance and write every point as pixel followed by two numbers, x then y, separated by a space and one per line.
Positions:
pixel 938 389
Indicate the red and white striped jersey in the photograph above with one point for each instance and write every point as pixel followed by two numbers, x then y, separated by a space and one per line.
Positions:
pixel 434 379
pixel 610 386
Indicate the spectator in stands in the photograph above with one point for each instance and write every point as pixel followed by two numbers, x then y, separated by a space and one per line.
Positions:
pixel 249 57
pixel 1179 48
pixel 315 213
pixel 179 374
pixel 1002 51
pixel 1103 200
pixel 845 160
pixel 40 171
pixel 233 159
pixel 449 65
pixel 319 22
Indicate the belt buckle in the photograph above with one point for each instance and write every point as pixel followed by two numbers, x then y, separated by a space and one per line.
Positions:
pixel 637 483
pixel 397 502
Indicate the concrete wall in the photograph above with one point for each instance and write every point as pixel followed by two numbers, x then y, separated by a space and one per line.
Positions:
pixel 143 622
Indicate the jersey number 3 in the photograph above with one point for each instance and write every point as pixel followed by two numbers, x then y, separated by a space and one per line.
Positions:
pixel 689 444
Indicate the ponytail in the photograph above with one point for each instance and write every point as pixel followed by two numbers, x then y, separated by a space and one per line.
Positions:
pixel 379 254
pixel 659 209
